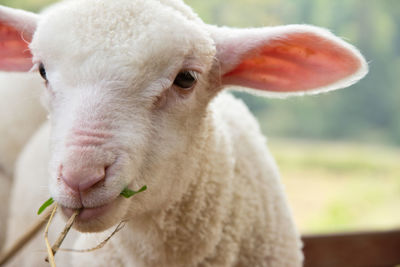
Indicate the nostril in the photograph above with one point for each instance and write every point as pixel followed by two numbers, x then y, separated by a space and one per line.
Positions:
pixel 70 183
pixel 85 185
pixel 83 179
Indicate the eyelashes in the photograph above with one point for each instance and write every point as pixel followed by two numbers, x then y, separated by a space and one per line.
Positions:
pixel 186 79
pixel 42 71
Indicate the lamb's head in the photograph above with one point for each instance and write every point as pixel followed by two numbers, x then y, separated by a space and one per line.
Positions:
pixel 113 92
pixel 128 84
pixel 120 77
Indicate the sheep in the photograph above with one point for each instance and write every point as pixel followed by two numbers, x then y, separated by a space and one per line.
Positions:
pixel 21 115
pixel 136 94
pixel 5 185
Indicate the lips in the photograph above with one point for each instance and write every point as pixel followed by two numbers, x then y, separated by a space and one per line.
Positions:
pixel 88 214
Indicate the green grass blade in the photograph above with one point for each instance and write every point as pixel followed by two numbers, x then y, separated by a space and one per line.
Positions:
pixel 127 193
pixel 45 205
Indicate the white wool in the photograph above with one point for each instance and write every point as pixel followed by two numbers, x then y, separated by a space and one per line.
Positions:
pixel 219 212
pixel 28 193
pixel 5 187
pixel 214 197
pixel 20 114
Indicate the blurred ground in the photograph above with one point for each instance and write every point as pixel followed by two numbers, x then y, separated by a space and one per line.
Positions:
pixel 340 186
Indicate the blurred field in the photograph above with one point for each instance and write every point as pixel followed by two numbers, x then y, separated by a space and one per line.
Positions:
pixel 340 187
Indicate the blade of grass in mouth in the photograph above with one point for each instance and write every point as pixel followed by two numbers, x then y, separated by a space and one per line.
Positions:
pixel 126 193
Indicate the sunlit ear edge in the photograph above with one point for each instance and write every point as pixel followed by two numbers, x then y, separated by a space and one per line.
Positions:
pixel 22 20
pixel 296 28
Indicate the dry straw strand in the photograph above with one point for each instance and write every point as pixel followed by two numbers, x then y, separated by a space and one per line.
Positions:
pixel 63 234
pixel 99 246
pixel 19 244
pixel 46 231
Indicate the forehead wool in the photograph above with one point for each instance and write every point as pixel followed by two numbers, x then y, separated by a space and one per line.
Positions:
pixel 124 33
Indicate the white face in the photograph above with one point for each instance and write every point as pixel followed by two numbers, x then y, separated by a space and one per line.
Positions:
pixel 121 90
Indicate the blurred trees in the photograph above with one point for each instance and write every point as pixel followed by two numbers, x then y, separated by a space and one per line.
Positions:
pixel 367 112
pixel 33 5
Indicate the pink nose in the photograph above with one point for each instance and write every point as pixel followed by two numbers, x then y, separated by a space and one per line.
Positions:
pixel 82 179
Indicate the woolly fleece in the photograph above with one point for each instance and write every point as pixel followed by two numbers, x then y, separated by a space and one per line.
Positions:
pixel 214 196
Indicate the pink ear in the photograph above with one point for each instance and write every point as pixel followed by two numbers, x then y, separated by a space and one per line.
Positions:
pixel 288 59
pixel 14 52
pixel 16 31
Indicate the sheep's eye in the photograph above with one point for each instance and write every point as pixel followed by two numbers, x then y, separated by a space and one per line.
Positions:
pixel 185 79
pixel 42 71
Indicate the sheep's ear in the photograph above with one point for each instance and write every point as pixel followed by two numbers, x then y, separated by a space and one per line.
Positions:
pixel 16 31
pixel 285 60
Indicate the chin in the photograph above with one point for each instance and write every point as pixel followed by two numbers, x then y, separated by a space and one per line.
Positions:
pixel 99 219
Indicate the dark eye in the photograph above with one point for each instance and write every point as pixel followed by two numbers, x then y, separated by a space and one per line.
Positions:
pixel 42 71
pixel 185 79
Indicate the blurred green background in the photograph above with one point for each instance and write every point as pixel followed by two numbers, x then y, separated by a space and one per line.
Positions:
pixel 339 153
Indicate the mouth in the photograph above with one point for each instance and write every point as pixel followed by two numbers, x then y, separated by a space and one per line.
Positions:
pixel 88 214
